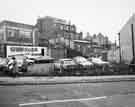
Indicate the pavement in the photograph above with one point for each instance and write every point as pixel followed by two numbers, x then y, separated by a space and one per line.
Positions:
pixel 63 80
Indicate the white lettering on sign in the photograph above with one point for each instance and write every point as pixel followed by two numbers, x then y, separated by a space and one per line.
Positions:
pixel 21 49
pixel 25 50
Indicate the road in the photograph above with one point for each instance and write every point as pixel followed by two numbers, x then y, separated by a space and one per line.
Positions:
pixel 114 94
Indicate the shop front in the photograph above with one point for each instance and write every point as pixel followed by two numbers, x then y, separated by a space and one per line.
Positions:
pixel 26 50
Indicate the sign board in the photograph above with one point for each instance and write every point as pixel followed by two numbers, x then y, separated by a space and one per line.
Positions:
pixel 26 50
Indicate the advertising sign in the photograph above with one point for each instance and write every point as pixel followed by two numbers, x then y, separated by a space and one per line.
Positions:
pixel 26 50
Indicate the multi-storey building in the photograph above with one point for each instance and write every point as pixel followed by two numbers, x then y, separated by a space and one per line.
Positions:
pixel 57 31
pixel 16 34
pixel 58 34
pixel 99 45
pixel 101 40
pixel 83 46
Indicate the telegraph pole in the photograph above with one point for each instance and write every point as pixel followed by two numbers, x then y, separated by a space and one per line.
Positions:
pixel 133 44
pixel 119 47
pixel 69 33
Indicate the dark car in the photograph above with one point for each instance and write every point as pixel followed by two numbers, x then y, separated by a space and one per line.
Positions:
pixel 132 66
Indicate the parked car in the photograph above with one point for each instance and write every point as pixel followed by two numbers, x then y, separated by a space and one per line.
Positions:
pixel 132 66
pixel 22 63
pixel 65 64
pixel 83 62
pixel 102 67
pixel 21 58
pixel 3 64
pixel 99 62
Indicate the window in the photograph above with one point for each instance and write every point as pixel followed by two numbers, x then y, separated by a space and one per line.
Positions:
pixel 54 24
pixel 72 28
pixel 11 33
pixel 1 34
pixel 25 34
pixel 66 27
pixel 61 27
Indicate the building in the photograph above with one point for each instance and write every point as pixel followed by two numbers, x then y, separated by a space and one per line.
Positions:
pixel 99 45
pixel 83 46
pixel 16 34
pixel 57 34
pixel 127 40
pixel 100 40
pixel 57 31
pixel 88 37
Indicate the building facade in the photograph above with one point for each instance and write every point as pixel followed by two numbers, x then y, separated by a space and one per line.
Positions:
pixel 83 46
pixel 113 55
pixel 57 31
pixel 13 33
pixel 99 45
pixel 57 34
pixel 127 40
pixel 100 40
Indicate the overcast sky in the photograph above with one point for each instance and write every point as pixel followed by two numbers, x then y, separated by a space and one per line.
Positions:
pixel 93 16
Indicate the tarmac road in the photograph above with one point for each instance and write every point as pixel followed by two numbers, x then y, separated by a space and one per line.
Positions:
pixel 110 94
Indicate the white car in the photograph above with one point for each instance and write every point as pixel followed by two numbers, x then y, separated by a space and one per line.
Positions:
pixel 66 64
pixel 20 60
pixel 83 62
pixel 3 64
pixel 99 61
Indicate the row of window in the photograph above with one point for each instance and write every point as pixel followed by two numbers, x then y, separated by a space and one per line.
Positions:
pixel 65 27
pixel 16 35
pixel 19 33
pixel 70 36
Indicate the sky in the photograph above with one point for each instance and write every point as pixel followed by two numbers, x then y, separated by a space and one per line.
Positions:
pixel 93 16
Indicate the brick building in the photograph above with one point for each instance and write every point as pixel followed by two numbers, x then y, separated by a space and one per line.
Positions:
pixel 57 33
pixel 57 30
pixel 100 40
pixel 13 33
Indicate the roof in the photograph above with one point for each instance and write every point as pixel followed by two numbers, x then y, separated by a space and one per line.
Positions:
pixel 54 19
pixel 129 21
pixel 16 24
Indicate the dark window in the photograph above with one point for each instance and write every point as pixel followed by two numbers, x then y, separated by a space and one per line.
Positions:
pixel 43 61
